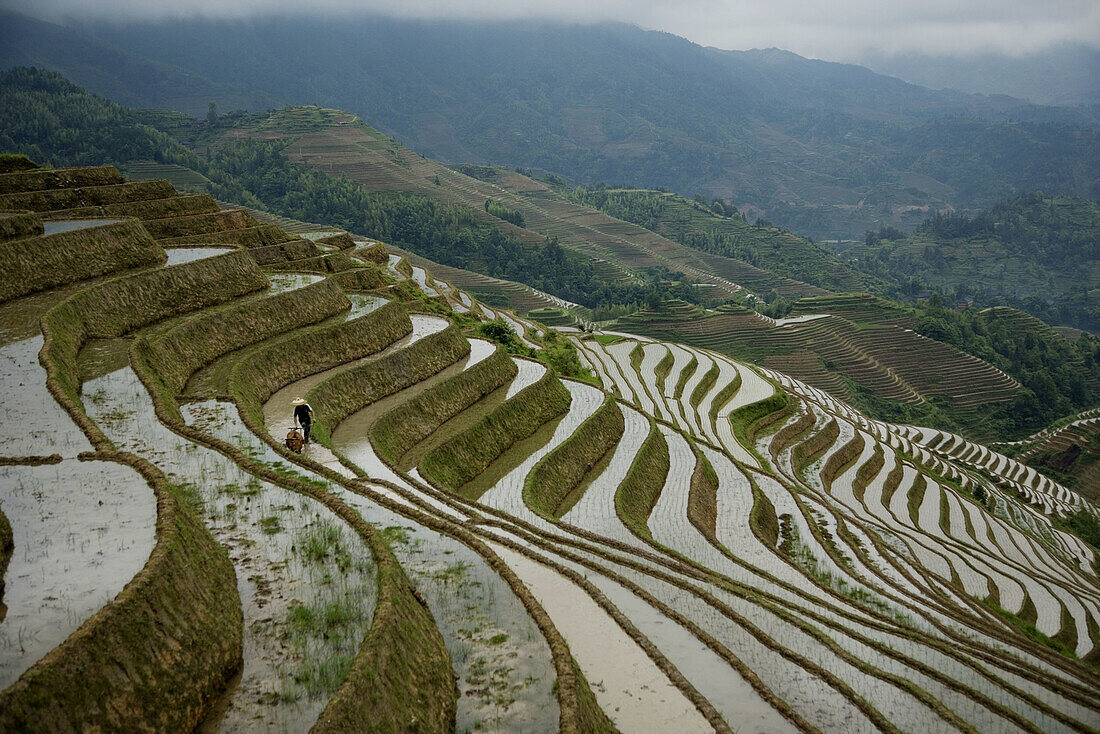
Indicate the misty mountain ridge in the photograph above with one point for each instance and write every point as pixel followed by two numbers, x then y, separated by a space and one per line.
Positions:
pixel 1066 74
pixel 830 149
pixel 121 76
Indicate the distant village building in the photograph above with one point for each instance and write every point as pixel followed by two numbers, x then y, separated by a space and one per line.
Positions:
pixel 964 303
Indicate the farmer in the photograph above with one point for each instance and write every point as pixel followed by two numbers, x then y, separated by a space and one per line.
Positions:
pixel 303 415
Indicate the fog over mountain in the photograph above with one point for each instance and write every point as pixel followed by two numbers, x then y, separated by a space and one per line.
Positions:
pixel 837 31
pixel 1061 74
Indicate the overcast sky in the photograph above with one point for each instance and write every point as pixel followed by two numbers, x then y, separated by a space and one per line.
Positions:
pixel 830 29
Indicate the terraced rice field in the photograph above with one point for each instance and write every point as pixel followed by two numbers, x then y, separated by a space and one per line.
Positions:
pixel 469 542
pixel 883 355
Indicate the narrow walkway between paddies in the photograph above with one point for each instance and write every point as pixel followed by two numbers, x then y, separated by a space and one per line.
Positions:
pixel 506 495
pixel 670 527
pixel 680 531
pixel 212 379
pixel 595 510
pixel 504 670
pixel 502 663
pixel 351 438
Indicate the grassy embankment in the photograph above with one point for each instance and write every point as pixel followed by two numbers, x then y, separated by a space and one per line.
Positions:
pixel 39 263
pixel 154 657
pixel 348 391
pixel 180 205
pixel 791 432
pixel 459 460
pixel 181 350
pixel 6 548
pixel 291 250
pixel 282 363
pixel 842 460
pixel 702 508
pixel 558 480
pixel 38 179
pixel 119 306
pixel 749 420
pixel 261 373
pixel 402 428
pixel 43 200
pixel 638 493
pixel 14 225
pixel 400 679
pixel 815 446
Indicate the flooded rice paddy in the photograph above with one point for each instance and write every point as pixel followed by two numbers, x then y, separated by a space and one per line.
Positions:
pixel 69 225
pixel 82 529
pixel 306 580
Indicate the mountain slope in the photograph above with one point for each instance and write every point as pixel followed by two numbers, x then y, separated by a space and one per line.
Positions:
pixel 114 73
pixel 749 553
pixel 1067 74
pixel 615 104
pixel 719 230
pixel 325 165
pixel 1034 251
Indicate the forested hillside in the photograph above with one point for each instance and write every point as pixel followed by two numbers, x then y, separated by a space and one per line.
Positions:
pixel 404 199
pixel 1035 252
pixel 829 149
pixel 52 120
pixel 718 228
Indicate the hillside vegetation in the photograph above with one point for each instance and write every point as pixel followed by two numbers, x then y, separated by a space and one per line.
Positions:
pixel 314 164
pixel 1035 252
pixel 719 229
pixel 828 149
pixel 53 120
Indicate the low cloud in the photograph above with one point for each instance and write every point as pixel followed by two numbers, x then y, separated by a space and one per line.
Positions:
pixel 829 30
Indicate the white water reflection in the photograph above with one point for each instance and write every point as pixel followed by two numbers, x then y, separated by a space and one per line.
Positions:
pixel 81 532
pixel 69 225
pixel 180 255
pixel 32 423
